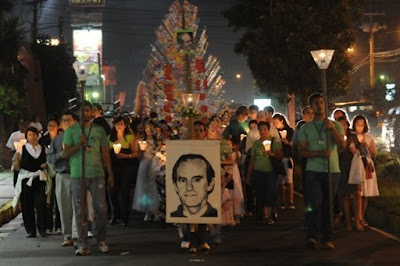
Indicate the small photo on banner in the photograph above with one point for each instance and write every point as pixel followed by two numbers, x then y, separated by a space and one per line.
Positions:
pixel 193 182
pixel 185 40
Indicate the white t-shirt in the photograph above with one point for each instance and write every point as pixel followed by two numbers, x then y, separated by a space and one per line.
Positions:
pixel 36 125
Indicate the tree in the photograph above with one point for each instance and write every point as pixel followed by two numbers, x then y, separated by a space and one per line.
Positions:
pixel 58 75
pixel 279 35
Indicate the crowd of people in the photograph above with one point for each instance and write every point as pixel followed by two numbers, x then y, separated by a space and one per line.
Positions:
pixel 124 169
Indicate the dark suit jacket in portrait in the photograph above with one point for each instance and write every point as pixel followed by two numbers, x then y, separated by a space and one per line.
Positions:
pixel 210 212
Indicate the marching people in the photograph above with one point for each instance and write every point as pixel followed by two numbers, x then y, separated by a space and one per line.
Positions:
pixel 366 145
pixel 52 223
pixel 93 142
pixel 31 185
pixel 286 136
pixel 55 156
pixel 261 169
pixel 124 164
pixel 313 145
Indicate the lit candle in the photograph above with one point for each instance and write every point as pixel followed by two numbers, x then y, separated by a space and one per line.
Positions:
pixel 117 148
pixel 267 145
pixel 142 145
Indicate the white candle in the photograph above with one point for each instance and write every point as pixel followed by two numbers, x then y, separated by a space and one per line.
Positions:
pixel 284 134
pixel 267 145
pixel 242 136
pixel 117 148
pixel 142 145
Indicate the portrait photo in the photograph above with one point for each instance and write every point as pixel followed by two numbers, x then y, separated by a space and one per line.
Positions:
pixel 193 182
pixel 185 39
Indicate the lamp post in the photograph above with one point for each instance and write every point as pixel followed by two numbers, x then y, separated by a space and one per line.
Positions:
pixel 103 77
pixel 190 102
pixel 323 58
pixel 81 73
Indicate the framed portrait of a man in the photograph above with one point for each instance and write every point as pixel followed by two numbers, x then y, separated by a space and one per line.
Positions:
pixel 185 39
pixel 193 182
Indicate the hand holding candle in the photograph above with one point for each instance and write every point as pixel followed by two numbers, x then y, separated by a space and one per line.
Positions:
pixel 117 148
pixel 283 134
pixel 142 145
pixel 267 145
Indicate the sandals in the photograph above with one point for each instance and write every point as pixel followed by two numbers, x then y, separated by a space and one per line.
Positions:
pixel 364 223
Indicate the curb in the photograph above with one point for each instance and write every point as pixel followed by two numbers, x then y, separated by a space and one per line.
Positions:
pixel 7 212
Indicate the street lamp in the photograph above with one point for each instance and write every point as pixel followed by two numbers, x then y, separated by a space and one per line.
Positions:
pixel 103 77
pixel 190 101
pixel 323 58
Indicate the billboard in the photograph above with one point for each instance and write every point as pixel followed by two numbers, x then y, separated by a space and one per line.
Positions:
pixel 87 3
pixel 87 45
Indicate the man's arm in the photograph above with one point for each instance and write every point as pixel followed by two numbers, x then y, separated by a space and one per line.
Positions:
pixel 339 137
pixel 304 152
pixel 70 150
pixel 107 163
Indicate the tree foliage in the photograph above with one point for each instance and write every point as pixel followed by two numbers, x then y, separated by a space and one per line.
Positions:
pixel 12 93
pixel 279 35
pixel 58 75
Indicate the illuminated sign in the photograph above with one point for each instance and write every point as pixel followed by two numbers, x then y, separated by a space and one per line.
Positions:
pixel 87 44
pixel 87 3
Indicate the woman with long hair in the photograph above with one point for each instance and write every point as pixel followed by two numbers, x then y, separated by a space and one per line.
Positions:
pixel 286 136
pixel 124 164
pixel 146 195
pixel 365 143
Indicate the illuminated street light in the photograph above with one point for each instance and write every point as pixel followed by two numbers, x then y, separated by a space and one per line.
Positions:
pixel 95 95
pixel 323 58
pixel 238 76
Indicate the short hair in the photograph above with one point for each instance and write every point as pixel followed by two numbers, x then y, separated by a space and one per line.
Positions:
pixel 339 110
pixel 186 157
pixel 360 117
pixel 264 123
pixel 269 109
pixel 313 96
pixel 88 104
pixel 53 119
pixel 200 123
pixel 31 129
pixel 98 106
pixel 253 107
pixel 242 110
pixel 253 122
pixel 74 115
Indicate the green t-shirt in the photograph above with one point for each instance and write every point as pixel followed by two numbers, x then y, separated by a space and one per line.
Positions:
pixel 96 138
pixel 314 134
pixel 125 142
pixel 261 159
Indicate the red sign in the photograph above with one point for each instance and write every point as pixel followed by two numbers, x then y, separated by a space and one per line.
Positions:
pixel 110 73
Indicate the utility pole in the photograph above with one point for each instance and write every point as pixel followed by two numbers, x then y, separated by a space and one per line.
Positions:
pixel 34 30
pixel 61 29
pixel 371 27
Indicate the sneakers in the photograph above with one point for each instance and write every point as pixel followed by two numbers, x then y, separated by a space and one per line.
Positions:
pixel 103 247
pixel 291 206
pixel 90 234
pixel 185 244
pixel 329 245
pixel 48 232
pixel 283 206
pixel 269 221
pixel 312 243
pixel 205 247
pixel 59 231
pixel 81 251
pixel 67 242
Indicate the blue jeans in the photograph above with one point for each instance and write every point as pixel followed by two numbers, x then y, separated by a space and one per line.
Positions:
pixel 317 204
pixel 96 187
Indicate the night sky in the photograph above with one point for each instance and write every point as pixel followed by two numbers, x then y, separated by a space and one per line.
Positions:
pixel 128 31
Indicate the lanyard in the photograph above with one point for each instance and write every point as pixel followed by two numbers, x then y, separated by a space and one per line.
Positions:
pixel 88 135
pixel 319 130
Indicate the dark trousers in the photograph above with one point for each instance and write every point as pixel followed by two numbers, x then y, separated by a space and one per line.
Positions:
pixel 266 188
pixel 33 197
pixel 120 200
pixel 248 188
pixel 51 209
pixel 15 177
pixel 317 205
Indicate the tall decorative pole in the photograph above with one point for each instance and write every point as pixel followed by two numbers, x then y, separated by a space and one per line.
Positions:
pixel 323 58
pixel 81 73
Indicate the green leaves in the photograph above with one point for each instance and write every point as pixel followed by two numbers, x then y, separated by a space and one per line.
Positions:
pixel 279 35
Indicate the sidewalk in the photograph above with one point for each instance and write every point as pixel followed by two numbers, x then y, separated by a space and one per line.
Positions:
pixel 251 242
pixel 6 195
